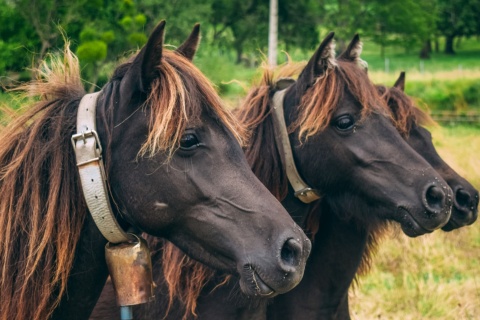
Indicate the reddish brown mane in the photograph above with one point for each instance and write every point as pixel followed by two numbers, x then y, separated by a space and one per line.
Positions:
pixel 403 109
pixel 40 221
pixel 171 92
pixel 321 100
pixel 254 114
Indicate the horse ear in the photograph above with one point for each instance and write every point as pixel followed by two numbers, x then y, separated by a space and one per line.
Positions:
pixel 400 83
pixel 322 60
pixel 150 57
pixel 353 51
pixel 189 47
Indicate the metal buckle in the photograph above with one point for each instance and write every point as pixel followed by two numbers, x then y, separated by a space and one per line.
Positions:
pixel 84 135
pixel 307 195
pixel 303 192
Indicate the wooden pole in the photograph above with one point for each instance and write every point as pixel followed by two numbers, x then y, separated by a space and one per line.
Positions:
pixel 273 33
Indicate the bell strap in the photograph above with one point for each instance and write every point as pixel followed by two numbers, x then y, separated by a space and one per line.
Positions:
pixel 88 152
pixel 302 191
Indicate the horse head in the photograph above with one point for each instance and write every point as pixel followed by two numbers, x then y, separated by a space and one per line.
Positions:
pixel 346 147
pixel 408 116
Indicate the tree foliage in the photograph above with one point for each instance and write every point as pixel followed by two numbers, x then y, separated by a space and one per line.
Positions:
pixel 103 30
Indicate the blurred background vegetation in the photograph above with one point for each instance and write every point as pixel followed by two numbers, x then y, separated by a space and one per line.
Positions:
pixel 420 37
pixel 436 41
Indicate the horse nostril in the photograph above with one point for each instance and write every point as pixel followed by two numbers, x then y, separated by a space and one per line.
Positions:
pixel 462 198
pixel 435 197
pixel 291 252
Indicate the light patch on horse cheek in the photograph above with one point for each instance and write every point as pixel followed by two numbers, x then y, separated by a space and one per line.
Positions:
pixel 161 205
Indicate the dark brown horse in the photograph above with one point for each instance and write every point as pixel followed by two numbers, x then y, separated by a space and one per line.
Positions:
pixel 346 148
pixel 323 292
pixel 175 169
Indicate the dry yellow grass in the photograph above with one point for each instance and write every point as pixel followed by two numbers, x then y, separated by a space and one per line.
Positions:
pixel 415 75
pixel 436 276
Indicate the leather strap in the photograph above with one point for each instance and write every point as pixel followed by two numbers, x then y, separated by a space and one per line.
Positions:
pixel 302 191
pixel 88 152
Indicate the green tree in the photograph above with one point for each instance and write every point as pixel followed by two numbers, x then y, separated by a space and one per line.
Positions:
pixel 457 18
pixel 44 16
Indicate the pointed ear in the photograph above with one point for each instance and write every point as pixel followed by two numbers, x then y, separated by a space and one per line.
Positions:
pixel 400 83
pixel 322 60
pixel 150 57
pixel 189 47
pixel 353 51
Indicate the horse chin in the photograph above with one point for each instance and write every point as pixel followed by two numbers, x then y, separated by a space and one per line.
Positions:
pixel 409 225
pixel 252 284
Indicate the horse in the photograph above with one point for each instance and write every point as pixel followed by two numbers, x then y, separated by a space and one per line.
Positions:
pixel 344 144
pixel 174 167
pixel 323 295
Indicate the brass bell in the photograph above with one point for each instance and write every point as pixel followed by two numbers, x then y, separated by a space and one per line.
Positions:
pixel 130 268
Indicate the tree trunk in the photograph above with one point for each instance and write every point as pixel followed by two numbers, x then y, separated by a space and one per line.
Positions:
pixel 239 51
pixel 449 44
pixel 426 49
pixel 437 45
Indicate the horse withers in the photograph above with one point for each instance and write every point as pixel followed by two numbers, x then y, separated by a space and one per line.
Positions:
pixel 174 169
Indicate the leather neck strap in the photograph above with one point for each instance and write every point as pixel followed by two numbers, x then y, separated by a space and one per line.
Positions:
pixel 88 152
pixel 302 191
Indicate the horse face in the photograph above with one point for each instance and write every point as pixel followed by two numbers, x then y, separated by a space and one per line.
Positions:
pixel 203 196
pixel 465 200
pixel 366 168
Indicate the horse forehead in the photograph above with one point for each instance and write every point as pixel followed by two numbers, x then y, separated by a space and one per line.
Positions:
pixel 347 102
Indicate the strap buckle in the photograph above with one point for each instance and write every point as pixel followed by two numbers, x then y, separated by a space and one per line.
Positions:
pixel 307 195
pixel 84 135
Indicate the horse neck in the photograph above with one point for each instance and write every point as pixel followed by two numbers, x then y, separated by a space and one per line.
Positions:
pixel 87 276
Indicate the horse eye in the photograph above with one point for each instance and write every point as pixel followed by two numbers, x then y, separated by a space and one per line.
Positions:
pixel 344 123
pixel 189 141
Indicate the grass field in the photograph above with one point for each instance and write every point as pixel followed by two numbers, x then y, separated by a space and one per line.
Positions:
pixel 436 276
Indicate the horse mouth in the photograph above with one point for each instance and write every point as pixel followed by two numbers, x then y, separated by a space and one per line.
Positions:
pixel 410 226
pixel 256 284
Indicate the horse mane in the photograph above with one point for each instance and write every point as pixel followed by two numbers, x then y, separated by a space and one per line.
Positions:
pixel 254 114
pixel 181 84
pixel 40 222
pixel 321 99
pixel 403 109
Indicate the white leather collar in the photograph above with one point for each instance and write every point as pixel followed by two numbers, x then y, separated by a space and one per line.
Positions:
pixel 88 152
pixel 302 191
